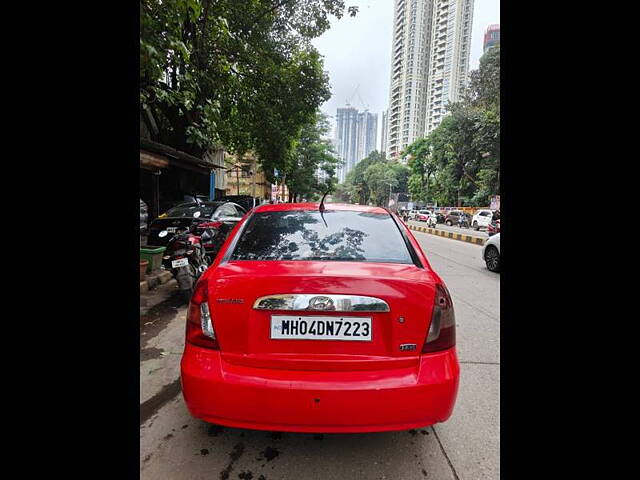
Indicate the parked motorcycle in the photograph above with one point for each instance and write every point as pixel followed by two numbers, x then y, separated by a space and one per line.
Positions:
pixel 186 258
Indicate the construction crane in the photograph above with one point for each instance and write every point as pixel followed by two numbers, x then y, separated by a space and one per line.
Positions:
pixel 362 102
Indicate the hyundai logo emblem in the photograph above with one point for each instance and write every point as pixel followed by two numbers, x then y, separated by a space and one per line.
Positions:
pixel 321 303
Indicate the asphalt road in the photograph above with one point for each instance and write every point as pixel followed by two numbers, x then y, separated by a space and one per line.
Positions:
pixel 175 446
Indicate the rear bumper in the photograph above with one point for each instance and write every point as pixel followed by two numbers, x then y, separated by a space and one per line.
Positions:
pixel 319 402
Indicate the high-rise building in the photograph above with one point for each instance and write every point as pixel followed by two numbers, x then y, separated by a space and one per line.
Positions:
pixel 345 140
pixel 383 143
pixel 491 36
pixel 429 65
pixel 367 134
pixel 355 137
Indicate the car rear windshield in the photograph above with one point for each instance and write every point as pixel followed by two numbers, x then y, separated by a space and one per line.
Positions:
pixel 305 235
pixel 189 211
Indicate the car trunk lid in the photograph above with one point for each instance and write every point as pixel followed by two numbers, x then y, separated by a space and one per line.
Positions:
pixel 245 333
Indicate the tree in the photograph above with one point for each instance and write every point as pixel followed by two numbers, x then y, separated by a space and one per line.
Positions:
pixel 311 152
pixel 380 180
pixel 240 74
pixel 463 153
pixel 423 165
pixel 402 173
pixel 355 184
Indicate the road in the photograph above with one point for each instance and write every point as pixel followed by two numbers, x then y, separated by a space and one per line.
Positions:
pixel 175 446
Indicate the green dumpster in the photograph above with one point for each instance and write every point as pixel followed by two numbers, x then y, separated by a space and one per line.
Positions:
pixel 153 255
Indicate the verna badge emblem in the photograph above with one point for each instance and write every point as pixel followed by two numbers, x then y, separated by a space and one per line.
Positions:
pixel 321 303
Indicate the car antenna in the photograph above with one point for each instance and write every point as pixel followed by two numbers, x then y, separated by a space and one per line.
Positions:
pixel 322 208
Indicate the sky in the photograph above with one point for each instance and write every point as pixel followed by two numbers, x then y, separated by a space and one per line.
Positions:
pixel 357 54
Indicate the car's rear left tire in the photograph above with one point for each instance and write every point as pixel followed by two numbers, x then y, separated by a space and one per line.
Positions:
pixel 492 258
pixel 476 226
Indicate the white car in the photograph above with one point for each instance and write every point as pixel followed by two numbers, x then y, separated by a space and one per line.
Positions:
pixel 482 218
pixel 491 253
pixel 423 215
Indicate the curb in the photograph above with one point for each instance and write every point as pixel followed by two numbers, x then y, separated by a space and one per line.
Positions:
pixel 452 235
pixel 153 280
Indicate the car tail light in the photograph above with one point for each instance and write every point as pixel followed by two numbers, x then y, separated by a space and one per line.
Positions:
pixel 200 330
pixel 442 330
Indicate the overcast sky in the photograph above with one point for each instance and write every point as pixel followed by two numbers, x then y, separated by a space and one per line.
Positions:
pixel 357 53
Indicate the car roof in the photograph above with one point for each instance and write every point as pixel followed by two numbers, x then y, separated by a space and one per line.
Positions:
pixel 279 207
pixel 210 203
pixel 202 202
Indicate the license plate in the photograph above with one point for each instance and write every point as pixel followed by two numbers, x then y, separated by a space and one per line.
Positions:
pixel 295 327
pixel 181 262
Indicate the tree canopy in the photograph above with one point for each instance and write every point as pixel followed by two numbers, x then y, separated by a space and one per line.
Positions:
pixel 459 162
pixel 371 178
pixel 242 75
pixel 312 155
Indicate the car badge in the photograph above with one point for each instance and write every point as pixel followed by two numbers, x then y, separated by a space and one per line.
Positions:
pixel 230 300
pixel 321 303
pixel 407 346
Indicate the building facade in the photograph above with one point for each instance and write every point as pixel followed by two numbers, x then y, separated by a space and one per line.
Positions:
pixel 168 175
pixel 246 177
pixel 383 143
pixel 429 66
pixel 367 131
pixel 491 37
pixel 355 138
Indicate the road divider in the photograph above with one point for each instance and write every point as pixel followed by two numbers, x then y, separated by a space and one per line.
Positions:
pixel 452 235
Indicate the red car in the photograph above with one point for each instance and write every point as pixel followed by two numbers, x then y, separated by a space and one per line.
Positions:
pixel 315 320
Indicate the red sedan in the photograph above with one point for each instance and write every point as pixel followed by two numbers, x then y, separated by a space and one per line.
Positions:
pixel 314 320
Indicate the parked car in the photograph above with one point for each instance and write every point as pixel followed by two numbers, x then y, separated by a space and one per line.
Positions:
pixel 221 217
pixel 491 253
pixel 413 214
pixel 452 217
pixel 482 219
pixel 333 321
pixel 423 215
pixel 246 201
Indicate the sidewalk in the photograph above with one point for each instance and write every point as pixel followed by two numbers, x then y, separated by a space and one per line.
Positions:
pixel 152 280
